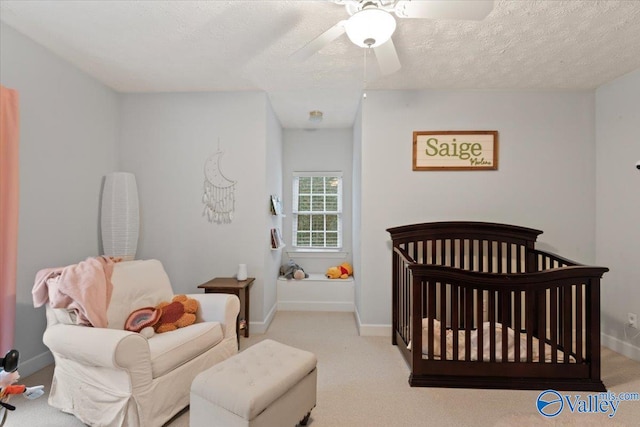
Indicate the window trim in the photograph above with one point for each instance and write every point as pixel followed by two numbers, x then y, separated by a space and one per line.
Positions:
pixel 295 211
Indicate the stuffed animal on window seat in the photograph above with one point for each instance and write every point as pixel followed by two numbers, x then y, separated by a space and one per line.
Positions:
pixel 291 270
pixel 341 271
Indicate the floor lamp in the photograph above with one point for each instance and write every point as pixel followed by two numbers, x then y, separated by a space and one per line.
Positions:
pixel 120 218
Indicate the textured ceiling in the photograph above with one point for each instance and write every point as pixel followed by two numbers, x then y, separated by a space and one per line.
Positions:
pixel 166 46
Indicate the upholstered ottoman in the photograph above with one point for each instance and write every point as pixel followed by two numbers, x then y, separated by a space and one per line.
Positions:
pixel 268 385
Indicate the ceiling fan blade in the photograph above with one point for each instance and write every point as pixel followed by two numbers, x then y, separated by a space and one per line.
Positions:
pixel 387 58
pixel 319 42
pixel 473 10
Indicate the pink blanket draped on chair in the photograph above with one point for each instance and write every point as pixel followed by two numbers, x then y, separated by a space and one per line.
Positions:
pixel 84 288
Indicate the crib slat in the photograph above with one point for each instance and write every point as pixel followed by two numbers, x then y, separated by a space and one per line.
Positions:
pixel 442 252
pixel 504 309
pixel 568 336
pixel 452 253
pixel 561 310
pixel 468 320
pixel 414 251
pixel 434 251
pixel 416 289
pixel 506 303
pixel 542 317
pixel 530 321
pixel 406 303
pixel 423 300
pixel 553 323
pixel 517 313
pixel 472 263
pixel 455 318
pixel 492 326
pixel 431 311
pixel 443 320
pixel 490 256
pixel 481 255
pixel 462 254
pixel 579 322
pixel 406 295
pixel 479 321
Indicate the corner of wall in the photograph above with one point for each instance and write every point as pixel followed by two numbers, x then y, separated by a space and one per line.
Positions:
pixel 619 346
pixel 371 330
pixel 262 326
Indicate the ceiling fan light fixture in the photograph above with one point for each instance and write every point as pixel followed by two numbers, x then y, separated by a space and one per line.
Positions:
pixel 370 27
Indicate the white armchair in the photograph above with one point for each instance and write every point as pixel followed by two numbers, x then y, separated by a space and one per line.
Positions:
pixel 112 377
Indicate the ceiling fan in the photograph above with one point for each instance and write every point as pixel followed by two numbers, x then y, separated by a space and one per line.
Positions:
pixel 371 24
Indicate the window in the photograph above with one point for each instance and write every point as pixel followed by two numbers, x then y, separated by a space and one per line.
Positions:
pixel 317 210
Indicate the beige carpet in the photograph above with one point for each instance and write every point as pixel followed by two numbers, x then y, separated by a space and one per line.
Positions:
pixel 362 381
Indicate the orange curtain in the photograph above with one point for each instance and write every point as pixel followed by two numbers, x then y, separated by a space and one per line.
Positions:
pixel 9 132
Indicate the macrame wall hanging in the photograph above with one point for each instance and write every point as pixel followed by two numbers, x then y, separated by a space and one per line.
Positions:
pixel 218 191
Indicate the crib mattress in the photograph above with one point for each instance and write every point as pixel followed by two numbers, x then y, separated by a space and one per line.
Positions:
pixel 486 351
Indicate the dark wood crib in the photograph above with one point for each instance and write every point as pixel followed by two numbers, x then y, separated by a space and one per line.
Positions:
pixel 489 310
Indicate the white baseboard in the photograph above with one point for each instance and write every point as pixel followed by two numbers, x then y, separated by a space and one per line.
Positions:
pixel 316 293
pixel 372 330
pixel 315 306
pixel 261 327
pixel 619 346
pixel 33 365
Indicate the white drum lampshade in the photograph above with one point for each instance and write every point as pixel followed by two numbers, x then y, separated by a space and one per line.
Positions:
pixel 120 217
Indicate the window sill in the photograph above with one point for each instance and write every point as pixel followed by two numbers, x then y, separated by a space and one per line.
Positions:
pixel 317 253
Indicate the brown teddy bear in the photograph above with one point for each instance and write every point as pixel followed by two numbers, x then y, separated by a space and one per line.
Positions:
pixel 178 313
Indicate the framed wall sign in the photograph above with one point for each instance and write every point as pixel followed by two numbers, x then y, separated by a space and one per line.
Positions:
pixel 455 150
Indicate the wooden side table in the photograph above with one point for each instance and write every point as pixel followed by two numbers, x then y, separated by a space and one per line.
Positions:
pixel 230 285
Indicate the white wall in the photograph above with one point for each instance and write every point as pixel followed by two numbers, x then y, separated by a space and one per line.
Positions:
pixel 68 133
pixel 545 180
pixel 272 258
pixel 318 150
pixel 618 207
pixel 165 140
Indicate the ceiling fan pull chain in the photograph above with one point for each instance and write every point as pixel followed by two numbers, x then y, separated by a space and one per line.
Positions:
pixel 364 77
